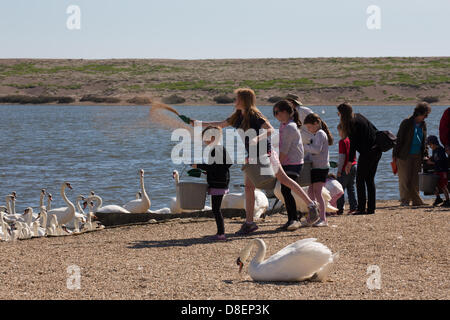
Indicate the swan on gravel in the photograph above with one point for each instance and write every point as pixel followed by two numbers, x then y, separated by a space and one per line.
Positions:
pixel 52 228
pixel 38 231
pixel 301 205
pixel 10 203
pixel 237 201
pixel 301 260
pixel 5 230
pixel 65 214
pixel 139 205
pixel 91 225
pixel 80 216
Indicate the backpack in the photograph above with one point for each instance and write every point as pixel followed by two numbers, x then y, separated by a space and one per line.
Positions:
pixel 385 140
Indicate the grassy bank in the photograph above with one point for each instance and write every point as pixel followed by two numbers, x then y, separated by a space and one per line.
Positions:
pixel 318 81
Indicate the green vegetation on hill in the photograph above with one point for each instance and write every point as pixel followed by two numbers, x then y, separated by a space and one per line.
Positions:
pixel 320 80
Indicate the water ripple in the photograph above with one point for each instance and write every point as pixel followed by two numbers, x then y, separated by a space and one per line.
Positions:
pixel 42 146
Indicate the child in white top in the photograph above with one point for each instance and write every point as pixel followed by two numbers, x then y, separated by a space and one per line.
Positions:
pixel 318 148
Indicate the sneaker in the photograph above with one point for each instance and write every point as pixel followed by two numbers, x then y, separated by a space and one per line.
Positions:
pixel 446 204
pixel 340 212
pixel 359 213
pixel 313 214
pixel 437 202
pixel 404 204
pixel 305 223
pixel 284 226
pixel 247 228
pixel 218 237
pixel 294 225
pixel 320 223
pixel 352 211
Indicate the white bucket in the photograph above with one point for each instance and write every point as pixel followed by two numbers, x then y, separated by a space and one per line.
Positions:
pixel 192 195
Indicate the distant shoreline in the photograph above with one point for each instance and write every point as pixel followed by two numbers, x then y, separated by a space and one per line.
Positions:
pixel 87 104
pixel 317 81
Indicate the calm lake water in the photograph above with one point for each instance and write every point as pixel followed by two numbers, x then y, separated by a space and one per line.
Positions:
pixel 102 148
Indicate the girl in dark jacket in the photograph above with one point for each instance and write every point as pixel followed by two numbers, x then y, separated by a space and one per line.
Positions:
pixel 218 175
pixel 361 133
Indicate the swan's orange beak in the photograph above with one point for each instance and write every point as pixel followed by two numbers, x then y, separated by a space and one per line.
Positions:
pixel 240 264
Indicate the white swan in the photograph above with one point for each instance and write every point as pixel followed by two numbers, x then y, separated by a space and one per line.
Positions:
pixel 13 206
pixel 38 231
pixel 25 226
pixel 8 200
pixel 21 231
pixel 139 205
pixel 112 208
pixel 10 217
pixel 64 214
pixel 160 211
pixel 16 231
pixel 301 205
pixel 41 199
pixel 237 201
pixel 36 228
pixel 301 260
pixel 49 202
pixel 91 225
pixel 80 216
pixel 4 228
pixel 175 206
pixel 52 228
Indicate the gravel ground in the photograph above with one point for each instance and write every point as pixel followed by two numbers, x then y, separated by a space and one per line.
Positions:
pixel 174 260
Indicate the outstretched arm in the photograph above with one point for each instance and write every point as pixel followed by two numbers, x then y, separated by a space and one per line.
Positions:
pixel 220 124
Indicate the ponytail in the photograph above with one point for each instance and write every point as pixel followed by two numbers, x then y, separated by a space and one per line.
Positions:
pixel 325 128
pixel 296 118
pixel 288 106
pixel 314 118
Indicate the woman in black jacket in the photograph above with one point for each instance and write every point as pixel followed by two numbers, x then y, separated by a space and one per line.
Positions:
pixel 218 175
pixel 362 134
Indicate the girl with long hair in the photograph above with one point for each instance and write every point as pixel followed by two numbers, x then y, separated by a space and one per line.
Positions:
pixel 247 116
pixel 291 155
pixel 318 148
pixel 362 134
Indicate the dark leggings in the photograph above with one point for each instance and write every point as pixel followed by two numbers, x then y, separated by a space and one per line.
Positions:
pixel 289 200
pixel 216 203
pixel 365 177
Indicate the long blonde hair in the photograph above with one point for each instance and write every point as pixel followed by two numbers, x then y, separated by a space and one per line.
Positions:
pixel 247 97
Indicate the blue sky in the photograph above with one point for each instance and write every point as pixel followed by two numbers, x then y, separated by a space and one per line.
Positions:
pixel 202 29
